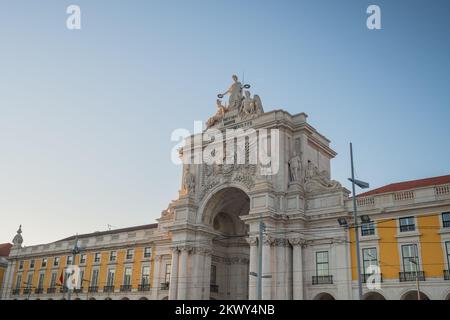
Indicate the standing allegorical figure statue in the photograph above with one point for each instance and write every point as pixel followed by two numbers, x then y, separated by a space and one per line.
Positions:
pixel 295 166
pixel 189 181
pixel 235 92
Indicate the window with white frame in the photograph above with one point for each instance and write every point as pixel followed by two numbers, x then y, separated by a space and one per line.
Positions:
pixel 447 249
pixel 29 280
pixel 94 278
pixel 127 276
pixel 147 252
pixel 322 263
pixel 110 278
pixel 44 262
pixel 167 274
pixel 53 279
pixel 82 258
pixel 145 280
pixel 113 256
pixel 410 258
pixel 41 280
pixel 407 224
pixel 80 279
pixel 213 274
pixel 130 254
pixel 97 257
pixel 21 265
pixel 446 219
pixel 19 281
pixel 368 229
pixel 32 262
pixel 56 261
pixel 369 258
pixel 69 260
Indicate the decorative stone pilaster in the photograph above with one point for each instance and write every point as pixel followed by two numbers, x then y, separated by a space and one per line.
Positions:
pixel 183 278
pixel 266 268
pixel 253 267
pixel 297 270
pixel 173 287
pixel 156 276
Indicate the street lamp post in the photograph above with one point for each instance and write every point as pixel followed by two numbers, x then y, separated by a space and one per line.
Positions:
pixel 362 185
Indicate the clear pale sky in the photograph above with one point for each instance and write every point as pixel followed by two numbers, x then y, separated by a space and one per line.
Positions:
pixel 86 116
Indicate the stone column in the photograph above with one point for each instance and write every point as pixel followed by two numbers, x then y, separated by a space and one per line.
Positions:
pixel 173 287
pixel 183 277
pixel 297 268
pixel 156 277
pixel 207 273
pixel 266 268
pixel 253 268
pixel 8 285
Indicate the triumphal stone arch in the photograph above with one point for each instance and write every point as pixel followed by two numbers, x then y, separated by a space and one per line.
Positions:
pixel 250 164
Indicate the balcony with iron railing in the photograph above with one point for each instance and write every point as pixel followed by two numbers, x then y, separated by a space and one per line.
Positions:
pixel 165 286
pixel 78 290
pixel 63 290
pixel 93 289
pixel 144 287
pixel 322 280
pixel 125 288
pixel 108 289
pixel 38 290
pixel 411 276
pixel 446 275
pixel 26 290
pixel 15 291
pixel 51 290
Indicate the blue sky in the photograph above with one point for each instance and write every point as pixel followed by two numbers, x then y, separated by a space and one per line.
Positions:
pixel 86 116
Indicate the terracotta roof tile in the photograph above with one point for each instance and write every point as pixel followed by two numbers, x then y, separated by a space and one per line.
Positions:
pixel 408 185
pixel 4 249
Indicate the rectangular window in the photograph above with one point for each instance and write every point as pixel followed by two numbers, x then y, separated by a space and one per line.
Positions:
pixel 82 258
pixel 44 262
pixel 113 256
pixel 56 261
pixel 167 274
pixel 446 219
pixel 110 278
pixel 69 260
pixel 18 281
pixel 145 275
pixel 53 280
pixel 369 259
pixel 41 281
pixel 32 264
pixel 407 224
pixel 130 254
pixel 147 252
pixel 29 280
pixel 80 279
pixel 410 258
pixel 97 257
pixel 447 247
pixel 368 229
pixel 127 277
pixel 213 274
pixel 94 278
pixel 322 263
pixel 20 265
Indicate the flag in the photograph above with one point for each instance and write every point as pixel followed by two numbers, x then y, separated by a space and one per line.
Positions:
pixel 61 278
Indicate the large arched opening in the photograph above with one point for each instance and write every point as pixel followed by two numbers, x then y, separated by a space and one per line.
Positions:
pixel 324 296
pixel 373 296
pixel 230 251
pixel 412 295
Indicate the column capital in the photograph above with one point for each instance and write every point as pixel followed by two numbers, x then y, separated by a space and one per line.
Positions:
pixel 268 240
pixel 297 242
pixel 252 241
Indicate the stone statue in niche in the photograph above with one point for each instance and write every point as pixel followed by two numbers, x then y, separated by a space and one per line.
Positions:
pixel 295 167
pixel 221 110
pixel 189 181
